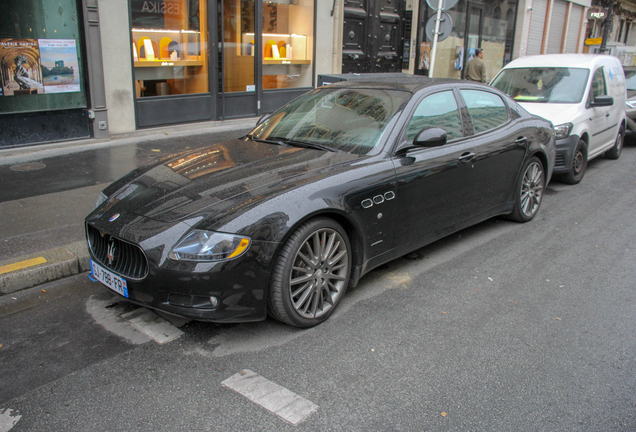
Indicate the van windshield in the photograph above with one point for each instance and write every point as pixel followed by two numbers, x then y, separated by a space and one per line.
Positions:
pixel 543 85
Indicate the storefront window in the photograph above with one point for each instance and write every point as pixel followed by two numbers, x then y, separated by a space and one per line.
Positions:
pixel 41 65
pixel 170 47
pixel 489 26
pixel 237 28
pixel 288 28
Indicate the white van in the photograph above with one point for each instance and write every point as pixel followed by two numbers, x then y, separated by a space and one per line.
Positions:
pixel 583 95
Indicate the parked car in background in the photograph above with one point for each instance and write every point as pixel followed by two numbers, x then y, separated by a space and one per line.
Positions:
pixel 332 185
pixel 630 109
pixel 583 95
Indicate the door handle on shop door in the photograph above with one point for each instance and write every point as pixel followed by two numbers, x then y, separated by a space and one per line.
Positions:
pixel 466 157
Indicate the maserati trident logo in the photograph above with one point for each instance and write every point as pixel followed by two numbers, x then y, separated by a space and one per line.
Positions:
pixel 110 253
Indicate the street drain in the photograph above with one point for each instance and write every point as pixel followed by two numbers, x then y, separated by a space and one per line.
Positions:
pixel 32 166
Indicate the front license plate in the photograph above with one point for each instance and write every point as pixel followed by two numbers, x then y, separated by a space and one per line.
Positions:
pixel 110 279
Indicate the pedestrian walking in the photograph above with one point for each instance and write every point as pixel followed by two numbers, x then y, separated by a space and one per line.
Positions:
pixel 476 67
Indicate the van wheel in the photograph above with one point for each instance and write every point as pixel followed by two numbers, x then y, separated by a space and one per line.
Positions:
pixel 579 165
pixel 615 152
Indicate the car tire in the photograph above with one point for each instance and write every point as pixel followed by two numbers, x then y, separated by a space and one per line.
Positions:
pixel 579 165
pixel 615 152
pixel 311 273
pixel 528 191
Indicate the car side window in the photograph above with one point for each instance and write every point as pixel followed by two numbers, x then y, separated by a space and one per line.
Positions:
pixel 487 110
pixel 598 85
pixel 437 110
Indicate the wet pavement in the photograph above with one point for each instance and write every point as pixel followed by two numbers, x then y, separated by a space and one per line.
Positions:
pixel 45 194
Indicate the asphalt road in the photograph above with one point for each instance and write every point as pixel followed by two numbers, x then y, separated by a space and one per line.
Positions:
pixel 501 327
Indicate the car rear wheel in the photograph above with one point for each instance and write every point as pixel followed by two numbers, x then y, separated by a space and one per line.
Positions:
pixel 529 191
pixel 579 165
pixel 311 274
pixel 615 152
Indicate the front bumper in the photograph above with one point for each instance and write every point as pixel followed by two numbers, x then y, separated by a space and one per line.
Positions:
pixel 564 153
pixel 184 288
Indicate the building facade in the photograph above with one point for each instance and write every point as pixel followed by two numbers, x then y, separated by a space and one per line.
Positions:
pixel 96 68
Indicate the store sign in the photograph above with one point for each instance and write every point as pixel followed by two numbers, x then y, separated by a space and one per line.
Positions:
pixel 593 41
pixel 597 13
pixel 38 66
pixel 157 14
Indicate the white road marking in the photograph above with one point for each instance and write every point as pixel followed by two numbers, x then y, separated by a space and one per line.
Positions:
pixel 110 319
pixel 8 419
pixel 280 401
pixel 152 325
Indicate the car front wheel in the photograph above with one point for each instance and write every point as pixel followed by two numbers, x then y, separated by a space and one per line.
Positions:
pixel 311 274
pixel 529 191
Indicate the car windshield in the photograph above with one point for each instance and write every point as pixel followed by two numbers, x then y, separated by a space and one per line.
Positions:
pixel 543 85
pixel 337 119
pixel 630 79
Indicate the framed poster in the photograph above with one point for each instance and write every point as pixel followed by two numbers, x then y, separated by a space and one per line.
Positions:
pixel 60 66
pixel 20 67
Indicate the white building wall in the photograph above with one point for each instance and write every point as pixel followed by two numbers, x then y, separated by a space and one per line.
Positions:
pixel 118 80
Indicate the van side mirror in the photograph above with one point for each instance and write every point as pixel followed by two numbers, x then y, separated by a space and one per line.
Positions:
pixel 430 137
pixel 600 101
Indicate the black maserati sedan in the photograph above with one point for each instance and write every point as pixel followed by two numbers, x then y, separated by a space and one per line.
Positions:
pixel 335 183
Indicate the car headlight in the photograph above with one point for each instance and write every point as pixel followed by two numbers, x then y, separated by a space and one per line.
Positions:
pixel 563 130
pixel 202 245
pixel 631 104
pixel 100 199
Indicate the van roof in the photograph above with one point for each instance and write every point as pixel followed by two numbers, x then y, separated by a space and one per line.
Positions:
pixel 558 60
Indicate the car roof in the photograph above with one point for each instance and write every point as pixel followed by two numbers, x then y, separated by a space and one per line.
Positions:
pixel 391 81
pixel 558 60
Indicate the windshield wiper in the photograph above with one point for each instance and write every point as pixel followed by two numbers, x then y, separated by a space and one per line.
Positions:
pixel 269 141
pixel 305 144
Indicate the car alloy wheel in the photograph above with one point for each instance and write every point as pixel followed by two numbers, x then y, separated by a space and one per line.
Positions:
pixel 311 274
pixel 528 191
pixel 532 189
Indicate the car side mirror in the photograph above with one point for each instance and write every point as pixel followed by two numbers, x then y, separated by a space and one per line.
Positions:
pixel 600 101
pixel 430 137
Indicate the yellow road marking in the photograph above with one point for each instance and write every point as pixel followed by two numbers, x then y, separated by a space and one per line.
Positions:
pixel 22 264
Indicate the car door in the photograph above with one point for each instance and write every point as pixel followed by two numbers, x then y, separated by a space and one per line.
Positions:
pixel 601 126
pixel 499 149
pixel 434 184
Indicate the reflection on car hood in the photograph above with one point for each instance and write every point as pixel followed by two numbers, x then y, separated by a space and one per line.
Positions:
pixel 555 112
pixel 189 183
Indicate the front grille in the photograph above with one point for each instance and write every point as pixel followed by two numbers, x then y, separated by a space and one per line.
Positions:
pixel 560 160
pixel 127 259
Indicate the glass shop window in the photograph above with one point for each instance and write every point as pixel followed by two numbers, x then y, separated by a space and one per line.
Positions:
pixel 41 65
pixel 287 40
pixel 170 47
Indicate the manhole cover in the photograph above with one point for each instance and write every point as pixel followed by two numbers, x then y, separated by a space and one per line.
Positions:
pixel 33 166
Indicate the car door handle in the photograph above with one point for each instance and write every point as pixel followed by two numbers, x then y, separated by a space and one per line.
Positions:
pixel 466 157
pixel 521 140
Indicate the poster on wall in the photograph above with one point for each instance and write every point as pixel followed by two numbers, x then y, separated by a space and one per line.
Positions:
pixel 425 52
pixel 20 67
pixel 60 65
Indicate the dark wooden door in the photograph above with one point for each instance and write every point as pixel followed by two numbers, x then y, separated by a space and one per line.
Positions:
pixel 373 36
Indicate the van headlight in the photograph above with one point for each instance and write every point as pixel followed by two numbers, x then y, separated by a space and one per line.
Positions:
pixel 201 245
pixel 563 130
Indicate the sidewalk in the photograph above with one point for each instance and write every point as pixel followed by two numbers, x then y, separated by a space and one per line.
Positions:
pixel 48 190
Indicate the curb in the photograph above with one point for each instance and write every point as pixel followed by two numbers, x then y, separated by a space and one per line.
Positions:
pixel 60 263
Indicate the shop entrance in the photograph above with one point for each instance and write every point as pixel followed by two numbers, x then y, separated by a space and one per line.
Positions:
pixel 373 36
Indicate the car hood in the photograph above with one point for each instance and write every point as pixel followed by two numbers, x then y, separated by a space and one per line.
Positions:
pixel 557 113
pixel 180 187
